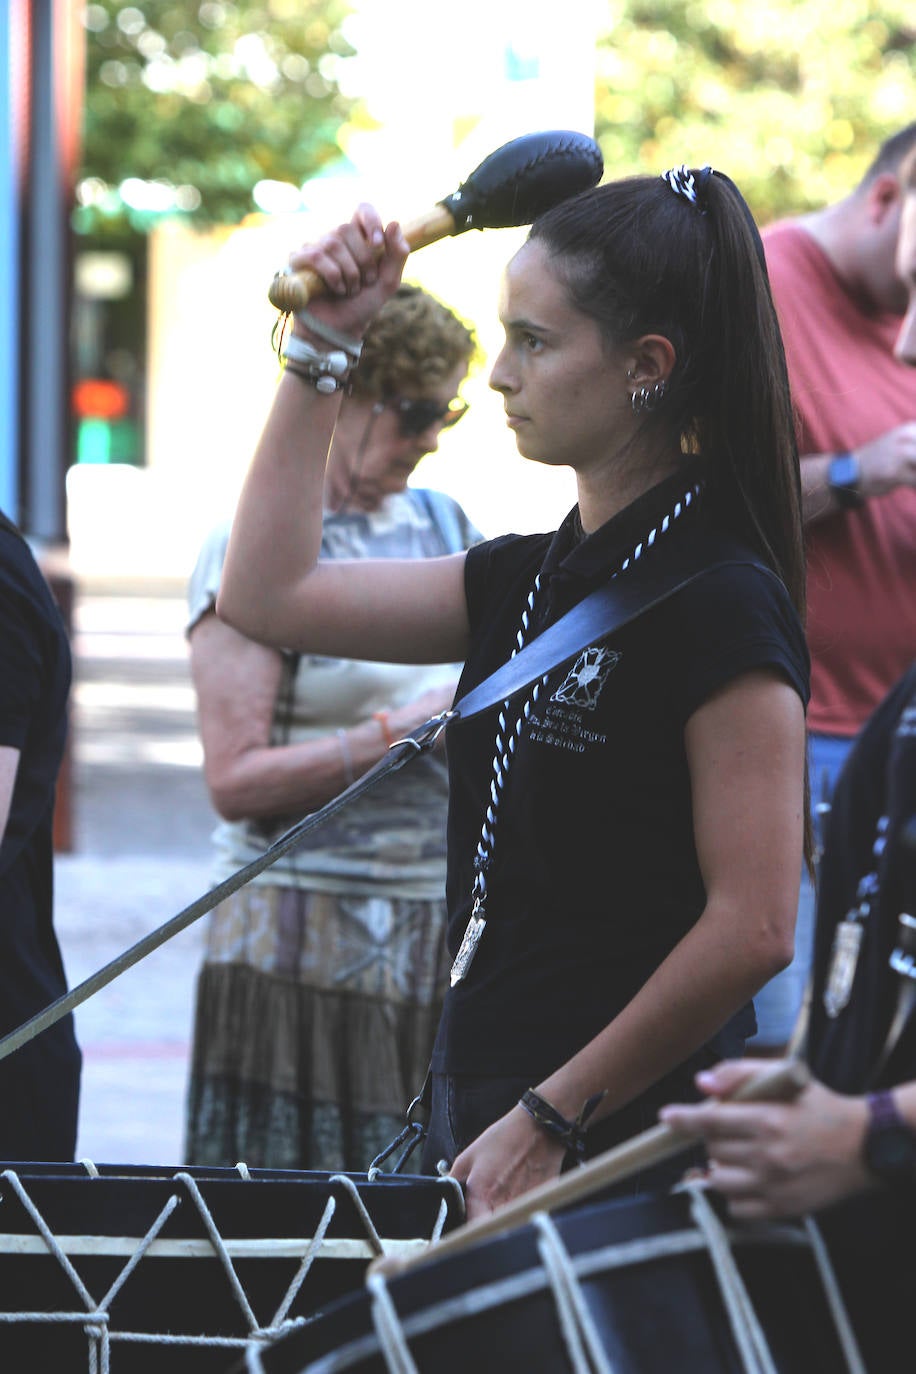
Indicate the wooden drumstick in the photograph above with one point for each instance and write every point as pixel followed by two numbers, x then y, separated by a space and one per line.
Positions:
pixel 661 1142
pixel 512 186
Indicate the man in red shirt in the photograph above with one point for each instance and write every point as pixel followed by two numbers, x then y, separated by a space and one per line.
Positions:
pixel 840 295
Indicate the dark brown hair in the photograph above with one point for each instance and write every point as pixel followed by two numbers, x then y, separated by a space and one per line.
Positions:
pixel 639 259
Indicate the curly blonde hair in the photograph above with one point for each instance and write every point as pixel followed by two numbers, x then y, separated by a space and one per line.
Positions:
pixel 414 343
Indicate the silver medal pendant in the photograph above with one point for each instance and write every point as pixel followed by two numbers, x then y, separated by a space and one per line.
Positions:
pixel 469 943
pixel 844 958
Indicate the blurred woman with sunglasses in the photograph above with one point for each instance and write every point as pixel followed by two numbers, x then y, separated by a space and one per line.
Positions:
pixel 321 989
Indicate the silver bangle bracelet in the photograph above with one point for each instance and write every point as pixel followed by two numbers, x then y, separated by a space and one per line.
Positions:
pixel 328 372
pixel 352 347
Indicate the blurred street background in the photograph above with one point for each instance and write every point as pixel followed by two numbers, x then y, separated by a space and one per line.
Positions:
pixel 141 826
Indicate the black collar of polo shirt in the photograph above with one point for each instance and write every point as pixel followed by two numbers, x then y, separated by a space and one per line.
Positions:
pixel 573 565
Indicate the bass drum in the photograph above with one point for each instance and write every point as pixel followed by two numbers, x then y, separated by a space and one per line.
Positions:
pixel 645 1286
pixel 131 1270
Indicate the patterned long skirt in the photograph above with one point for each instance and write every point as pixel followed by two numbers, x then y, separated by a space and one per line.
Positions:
pixel 314 1025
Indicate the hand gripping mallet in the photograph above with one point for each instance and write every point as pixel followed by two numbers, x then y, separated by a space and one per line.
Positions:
pixel 511 187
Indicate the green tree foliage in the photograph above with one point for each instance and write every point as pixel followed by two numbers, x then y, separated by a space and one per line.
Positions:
pixel 203 99
pixel 789 97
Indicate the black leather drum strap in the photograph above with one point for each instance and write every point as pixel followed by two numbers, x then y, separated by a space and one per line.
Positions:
pixel 603 612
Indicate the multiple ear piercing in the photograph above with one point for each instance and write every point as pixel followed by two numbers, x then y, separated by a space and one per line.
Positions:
pixel 645 399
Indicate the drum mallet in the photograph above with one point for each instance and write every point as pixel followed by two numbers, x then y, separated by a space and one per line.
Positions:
pixel 778 1084
pixel 511 187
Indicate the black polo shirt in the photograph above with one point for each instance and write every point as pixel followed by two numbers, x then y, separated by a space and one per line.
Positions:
pixel 594 876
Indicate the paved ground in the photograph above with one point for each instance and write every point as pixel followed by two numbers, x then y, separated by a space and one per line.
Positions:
pixel 141 826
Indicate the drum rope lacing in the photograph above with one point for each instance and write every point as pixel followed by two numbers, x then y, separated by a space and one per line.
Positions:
pixel 388 1328
pixel 563 1274
pixel 579 1331
pixel 748 1333
pixel 96 1319
pixel 746 1328
pixel 507 739
pixel 834 1298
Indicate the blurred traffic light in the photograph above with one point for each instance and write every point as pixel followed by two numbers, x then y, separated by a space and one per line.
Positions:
pixel 105 433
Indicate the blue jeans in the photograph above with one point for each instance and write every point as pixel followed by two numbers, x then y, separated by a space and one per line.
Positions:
pixel 778 1003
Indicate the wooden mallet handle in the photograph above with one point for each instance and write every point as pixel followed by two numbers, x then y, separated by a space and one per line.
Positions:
pixel 780 1084
pixel 293 290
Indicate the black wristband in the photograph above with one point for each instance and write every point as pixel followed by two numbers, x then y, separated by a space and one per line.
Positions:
pixel 569 1133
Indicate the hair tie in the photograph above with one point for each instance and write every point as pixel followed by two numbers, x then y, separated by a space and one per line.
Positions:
pixel 702 178
pixel 683 183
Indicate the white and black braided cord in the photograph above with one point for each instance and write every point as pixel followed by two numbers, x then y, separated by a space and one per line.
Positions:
pixel 507 737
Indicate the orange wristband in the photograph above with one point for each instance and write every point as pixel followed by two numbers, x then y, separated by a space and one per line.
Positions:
pixel 382 718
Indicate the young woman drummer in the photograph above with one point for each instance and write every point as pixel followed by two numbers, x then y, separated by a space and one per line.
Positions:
pixel 633 826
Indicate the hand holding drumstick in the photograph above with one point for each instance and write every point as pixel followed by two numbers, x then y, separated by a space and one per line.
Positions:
pixel 775 1158
pixel 778 1083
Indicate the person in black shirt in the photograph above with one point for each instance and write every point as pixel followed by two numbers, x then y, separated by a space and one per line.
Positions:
pixel 39 1083
pixel 631 827
pixel 774 1160
pixel 845 1147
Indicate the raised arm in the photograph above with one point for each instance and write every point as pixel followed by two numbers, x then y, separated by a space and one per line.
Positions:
pixel 273 588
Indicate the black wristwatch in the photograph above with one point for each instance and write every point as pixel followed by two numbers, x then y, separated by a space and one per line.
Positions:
pixel 843 477
pixel 890 1143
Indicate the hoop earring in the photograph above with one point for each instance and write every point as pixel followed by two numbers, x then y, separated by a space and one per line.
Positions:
pixel 644 400
pixel 657 394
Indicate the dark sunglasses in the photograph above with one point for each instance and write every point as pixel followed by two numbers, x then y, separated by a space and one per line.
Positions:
pixel 415 416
